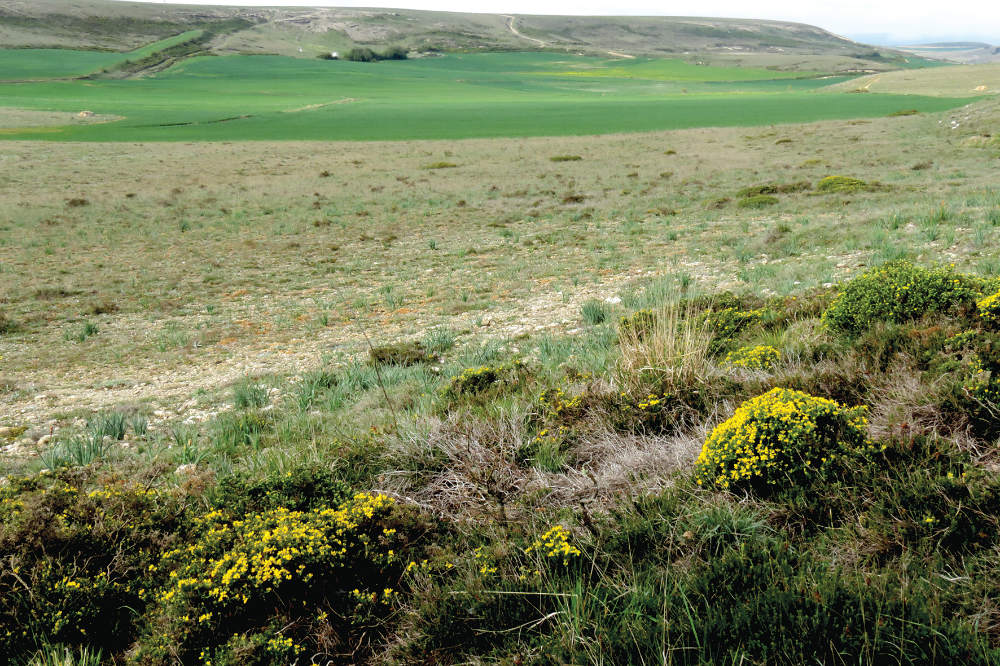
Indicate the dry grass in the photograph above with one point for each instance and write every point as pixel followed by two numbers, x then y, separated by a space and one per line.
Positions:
pixel 226 260
pixel 673 355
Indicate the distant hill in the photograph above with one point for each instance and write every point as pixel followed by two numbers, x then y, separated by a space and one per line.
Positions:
pixel 308 32
pixel 969 53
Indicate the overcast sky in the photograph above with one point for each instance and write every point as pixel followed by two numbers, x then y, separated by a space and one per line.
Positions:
pixel 894 21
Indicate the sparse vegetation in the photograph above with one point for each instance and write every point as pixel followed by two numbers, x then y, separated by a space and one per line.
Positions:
pixel 758 201
pixel 522 412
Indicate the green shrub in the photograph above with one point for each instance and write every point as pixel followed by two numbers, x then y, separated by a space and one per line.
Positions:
pixel 724 324
pixel 402 354
pixel 394 53
pixel 898 292
pixel 81 559
pixel 6 325
pixel 441 165
pixel 565 158
pixel 360 54
pixel 774 188
pixel 485 379
pixel 780 438
pixel 637 325
pixel 758 201
pixel 842 184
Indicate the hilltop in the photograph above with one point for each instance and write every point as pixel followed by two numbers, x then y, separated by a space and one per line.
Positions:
pixel 307 32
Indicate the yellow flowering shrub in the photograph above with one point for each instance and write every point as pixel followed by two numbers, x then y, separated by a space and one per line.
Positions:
pixel 725 323
pixel 238 571
pixel 485 379
pixel 555 546
pixel 761 357
pixel 782 437
pixel 982 385
pixel 77 556
pixel 989 308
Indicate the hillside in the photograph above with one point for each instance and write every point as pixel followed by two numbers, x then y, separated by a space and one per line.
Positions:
pixel 122 26
pixel 957 81
pixel 969 53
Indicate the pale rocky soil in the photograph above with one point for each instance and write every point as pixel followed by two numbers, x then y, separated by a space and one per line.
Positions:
pixel 253 234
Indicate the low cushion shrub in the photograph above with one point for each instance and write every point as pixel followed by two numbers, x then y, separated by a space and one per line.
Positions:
pixel 761 357
pixel 782 438
pixel 898 292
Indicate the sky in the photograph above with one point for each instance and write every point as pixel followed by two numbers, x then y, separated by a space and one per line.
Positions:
pixel 873 21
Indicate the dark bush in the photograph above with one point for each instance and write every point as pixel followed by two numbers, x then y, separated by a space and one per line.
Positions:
pixel 401 353
pixel 361 54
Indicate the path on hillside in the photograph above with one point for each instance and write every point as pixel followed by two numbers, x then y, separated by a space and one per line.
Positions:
pixel 510 26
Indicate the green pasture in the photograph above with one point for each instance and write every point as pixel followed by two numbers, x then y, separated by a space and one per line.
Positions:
pixel 39 64
pixel 455 96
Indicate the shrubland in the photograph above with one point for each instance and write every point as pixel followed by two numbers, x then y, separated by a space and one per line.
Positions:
pixel 550 505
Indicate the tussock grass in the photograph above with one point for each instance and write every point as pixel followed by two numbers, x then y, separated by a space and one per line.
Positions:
pixel 673 355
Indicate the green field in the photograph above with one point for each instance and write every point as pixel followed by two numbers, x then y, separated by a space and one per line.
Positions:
pixel 455 96
pixel 39 64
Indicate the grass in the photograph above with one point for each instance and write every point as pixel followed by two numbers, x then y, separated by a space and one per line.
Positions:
pixel 40 64
pixel 455 96
pixel 255 361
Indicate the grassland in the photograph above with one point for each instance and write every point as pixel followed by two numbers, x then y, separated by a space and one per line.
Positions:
pixel 485 367
pixel 21 65
pixel 458 96
pixel 959 81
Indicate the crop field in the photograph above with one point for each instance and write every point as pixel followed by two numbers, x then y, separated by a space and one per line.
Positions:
pixel 456 96
pixel 583 361
pixel 19 65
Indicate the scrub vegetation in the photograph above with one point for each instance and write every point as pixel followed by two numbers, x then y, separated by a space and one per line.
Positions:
pixel 706 395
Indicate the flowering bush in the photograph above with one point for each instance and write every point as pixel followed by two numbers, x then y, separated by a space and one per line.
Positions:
pixel 238 575
pixel 989 308
pixel 554 545
pixel 783 436
pixel 761 357
pixel 843 184
pixel 983 386
pixel 725 323
pixel 897 292
pixel 77 559
pixel 482 379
